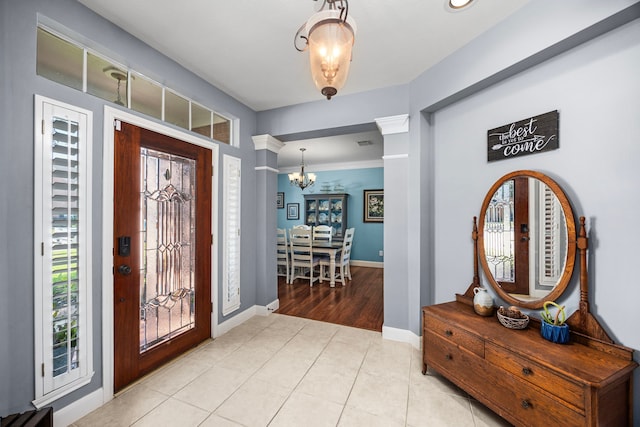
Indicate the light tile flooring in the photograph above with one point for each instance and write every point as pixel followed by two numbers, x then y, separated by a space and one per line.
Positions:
pixel 287 371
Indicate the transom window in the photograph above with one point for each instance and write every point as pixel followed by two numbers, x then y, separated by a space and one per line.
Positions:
pixel 66 62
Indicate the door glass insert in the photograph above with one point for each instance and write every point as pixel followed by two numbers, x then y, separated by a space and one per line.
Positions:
pixel 499 234
pixel 167 221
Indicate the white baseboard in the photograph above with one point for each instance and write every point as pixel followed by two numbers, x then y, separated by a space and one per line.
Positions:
pixel 402 335
pixel 265 310
pixel 373 264
pixel 273 306
pixel 78 409
pixel 238 319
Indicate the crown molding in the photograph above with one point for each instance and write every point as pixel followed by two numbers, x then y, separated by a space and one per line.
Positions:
pixel 266 168
pixel 395 156
pixel 365 164
pixel 267 142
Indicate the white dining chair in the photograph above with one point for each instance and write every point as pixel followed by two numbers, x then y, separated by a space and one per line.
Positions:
pixel 302 260
pixel 302 227
pixel 282 253
pixel 322 233
pixel 343 259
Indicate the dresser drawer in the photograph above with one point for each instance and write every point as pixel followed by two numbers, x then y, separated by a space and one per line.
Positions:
pixel 460 337
pixel 517 400
pixel 530 406
pixel 529 371
pixel 453 361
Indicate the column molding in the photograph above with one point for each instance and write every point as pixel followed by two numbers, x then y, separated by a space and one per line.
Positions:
pixel 393 124
pixel 267 142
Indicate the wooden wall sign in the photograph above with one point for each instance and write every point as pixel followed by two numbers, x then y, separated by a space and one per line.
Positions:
pixel 529 136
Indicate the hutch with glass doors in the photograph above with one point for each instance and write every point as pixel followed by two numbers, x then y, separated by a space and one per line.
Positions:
pixel 327 209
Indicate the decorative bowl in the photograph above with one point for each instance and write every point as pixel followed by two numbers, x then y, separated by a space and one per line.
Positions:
pixel 512 323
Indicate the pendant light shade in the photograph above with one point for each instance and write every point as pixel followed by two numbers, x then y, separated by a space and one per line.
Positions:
pixel 329 35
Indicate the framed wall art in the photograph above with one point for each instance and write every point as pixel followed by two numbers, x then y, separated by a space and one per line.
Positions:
pixel 293 210
pixel 373 206
pixel 280 200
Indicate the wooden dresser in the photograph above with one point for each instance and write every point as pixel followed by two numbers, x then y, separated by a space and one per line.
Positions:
pixel 524 378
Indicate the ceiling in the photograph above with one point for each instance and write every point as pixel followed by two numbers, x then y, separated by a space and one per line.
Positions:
pixel 245 47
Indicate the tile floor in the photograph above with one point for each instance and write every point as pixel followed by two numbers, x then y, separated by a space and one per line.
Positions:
pixel 287 371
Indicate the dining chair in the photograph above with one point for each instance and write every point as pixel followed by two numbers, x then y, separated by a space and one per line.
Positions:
pixel 343 259
pixel 302 260
pixel 282 253
pixel 323 233
pixel 302 227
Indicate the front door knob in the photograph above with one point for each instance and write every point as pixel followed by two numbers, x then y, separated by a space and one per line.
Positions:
pixel 124 269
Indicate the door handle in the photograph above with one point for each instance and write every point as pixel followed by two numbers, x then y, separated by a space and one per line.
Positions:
pixel 124 269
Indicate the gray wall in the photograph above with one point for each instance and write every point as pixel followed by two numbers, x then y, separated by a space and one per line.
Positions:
pixel 583 61
pixel 498 78
pixel 595 87
pixel 18 20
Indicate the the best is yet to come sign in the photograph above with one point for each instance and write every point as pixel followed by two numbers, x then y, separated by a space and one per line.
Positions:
pixel 528 136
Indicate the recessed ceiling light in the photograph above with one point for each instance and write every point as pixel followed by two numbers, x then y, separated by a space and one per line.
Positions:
pixel 458 4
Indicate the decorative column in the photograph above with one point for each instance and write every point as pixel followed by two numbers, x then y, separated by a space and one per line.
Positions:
pixel 267 149
pixel 395 130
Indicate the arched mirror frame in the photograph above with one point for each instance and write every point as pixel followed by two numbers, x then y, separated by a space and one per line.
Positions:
pixel 571 240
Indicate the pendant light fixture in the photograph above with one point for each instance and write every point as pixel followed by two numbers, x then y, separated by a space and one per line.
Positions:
pixel 329 35
pixel 302 179
pixel 119 76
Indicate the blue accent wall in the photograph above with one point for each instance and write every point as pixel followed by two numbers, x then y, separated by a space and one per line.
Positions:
pixel 368 238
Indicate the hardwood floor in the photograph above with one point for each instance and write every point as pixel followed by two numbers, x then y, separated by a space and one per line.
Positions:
pixel 358 304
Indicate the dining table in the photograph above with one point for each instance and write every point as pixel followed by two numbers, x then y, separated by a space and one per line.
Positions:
pixel 332 249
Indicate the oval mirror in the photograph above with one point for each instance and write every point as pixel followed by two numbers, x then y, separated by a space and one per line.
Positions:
pixel 527 239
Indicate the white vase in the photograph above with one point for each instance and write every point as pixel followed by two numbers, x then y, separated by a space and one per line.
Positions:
pixel 482 302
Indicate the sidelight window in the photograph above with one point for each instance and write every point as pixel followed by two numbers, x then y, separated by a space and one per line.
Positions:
pixel 231 230
pixel 62 229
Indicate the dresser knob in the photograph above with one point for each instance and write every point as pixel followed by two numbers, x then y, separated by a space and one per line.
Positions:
pixel 525 404
pixel 526 371
pixel 448 332
pixel 448 356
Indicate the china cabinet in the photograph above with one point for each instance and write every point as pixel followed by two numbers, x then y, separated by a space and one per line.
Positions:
pixel 327 209
pixel 524 378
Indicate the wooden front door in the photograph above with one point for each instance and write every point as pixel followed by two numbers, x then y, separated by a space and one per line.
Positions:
pixel 162 250
pixel 506 236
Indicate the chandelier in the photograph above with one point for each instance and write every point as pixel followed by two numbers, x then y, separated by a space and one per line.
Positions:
pixel 301 179
pixel 329 34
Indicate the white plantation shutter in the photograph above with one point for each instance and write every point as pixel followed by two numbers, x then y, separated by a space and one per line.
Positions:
pixel 550 236
pixel 231 238
pixel 62 246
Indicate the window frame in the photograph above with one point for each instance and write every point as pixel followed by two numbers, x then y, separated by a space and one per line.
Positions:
pixel 54 29
pixel 47 387
pixel 231 237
